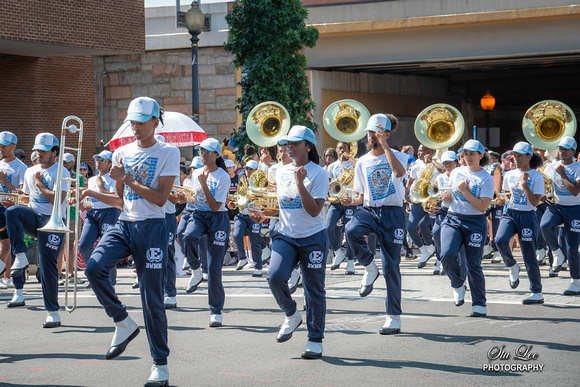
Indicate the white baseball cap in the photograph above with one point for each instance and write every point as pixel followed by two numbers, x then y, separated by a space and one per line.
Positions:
pixel 251 164
pixel 211 144
pixel 568 143
pixel 196 162
pixel 448 156
pixel 230 163
pixel 45 141
pixel 104 155
pixel 298 133
pixel 523 147
pixel 378 121
pixel 142 109
pixel 8 138
pixel 68 157
pixel 474 146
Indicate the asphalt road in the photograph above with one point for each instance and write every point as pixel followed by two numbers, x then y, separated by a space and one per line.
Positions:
pixel 440 344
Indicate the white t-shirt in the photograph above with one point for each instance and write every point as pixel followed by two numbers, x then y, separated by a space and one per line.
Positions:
pixel 108 184
pixel 218 183
pixel 272 172
pixel 562 196
pixel 335 170
pixel 146 165
pixel 295 222
pixel 418 167
pixel 519 200
pixel 169 207
pixel 374 178
pixel 479 183
pixel 15 170
pixel 442 181
pixel 37 201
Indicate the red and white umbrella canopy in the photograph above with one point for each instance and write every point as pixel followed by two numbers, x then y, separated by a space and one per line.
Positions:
pixel 178 129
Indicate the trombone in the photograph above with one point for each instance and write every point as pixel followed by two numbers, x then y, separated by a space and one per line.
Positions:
pixel 55 223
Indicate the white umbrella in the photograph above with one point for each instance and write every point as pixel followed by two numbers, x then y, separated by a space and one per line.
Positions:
pixel 178 129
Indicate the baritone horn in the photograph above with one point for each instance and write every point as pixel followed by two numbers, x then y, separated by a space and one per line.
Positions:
pixel 439 126
pixel 267 123
pixel 546 122
pixel 55 223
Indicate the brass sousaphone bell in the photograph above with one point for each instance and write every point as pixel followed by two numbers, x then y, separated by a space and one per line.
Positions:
pixel 546 122
pixel 267 123
pixel 346 120
pixel 439 126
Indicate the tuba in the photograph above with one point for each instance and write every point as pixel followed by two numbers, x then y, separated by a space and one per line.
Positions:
pixel 438 126
pixel 267 123
pixel 546 122
pixel 259 195
pixel 345 120
pixel 55 223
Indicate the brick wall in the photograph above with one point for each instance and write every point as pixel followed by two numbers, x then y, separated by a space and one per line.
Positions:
pixel 166 76
pixel 38 93
pixel 103 24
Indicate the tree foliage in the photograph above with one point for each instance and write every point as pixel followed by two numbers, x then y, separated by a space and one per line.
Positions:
pixel 267 37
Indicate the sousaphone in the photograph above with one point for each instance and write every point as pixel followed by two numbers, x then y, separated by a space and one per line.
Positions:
pixel 267 123
pixel 439 126
pixel 346 120
pixel 546 122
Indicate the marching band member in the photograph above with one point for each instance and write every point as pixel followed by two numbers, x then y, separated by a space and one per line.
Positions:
pixel 495 211
pixel 527 187
pixel 466 226
pixel 566 210
pixel 337 211
pixel 39 183
pixel 300 238
pixel 449 161
pixel 100 216
pixel 243 223
pixel 12 172
pixel 419 219
pixel 211 185
pixel 144 173
pixel 379 185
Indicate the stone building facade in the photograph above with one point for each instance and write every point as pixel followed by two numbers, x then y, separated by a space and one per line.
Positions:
pixel 166 76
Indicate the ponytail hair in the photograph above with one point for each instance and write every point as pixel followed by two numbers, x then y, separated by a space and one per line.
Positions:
pixel 221 163
pixel 313 154
pixel 536 161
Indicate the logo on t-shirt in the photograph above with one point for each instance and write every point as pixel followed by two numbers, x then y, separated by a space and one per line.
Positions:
pixel 518 194
pixel 472 185
pixel 559 186
pixel 200 200
pixel 288 196
pixel 142 169
pixel 380 182
pixel 36 195
pixel 154 258
pixel 8 172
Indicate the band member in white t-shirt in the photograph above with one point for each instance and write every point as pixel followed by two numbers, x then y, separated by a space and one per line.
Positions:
pixel 466 226
pixel 300 238
pixel 379 184
pixel 144 173
pixel 566 210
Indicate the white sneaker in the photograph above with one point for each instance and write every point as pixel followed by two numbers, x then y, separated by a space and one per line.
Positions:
pixel 350 269
pixel 194 281
pixel 478 311
pixel 242 263
pixel 369 277
pixel 3 284
pixel 574 288
pixel 204 276
pixel 215 320
pixel 257 273
pixel 541 256
pixel 159 374
pixel 486 250
pixel 514 276
pixel 392 325
pixel 558 260
pixel 123 330
pixel 294 278
pixel 437 270
pixel 52 320
pixel 170 302
pixel 266 254
pixel 459 295
pixel 289 326
pixel 339 257
pixel 313 350
pixel 534 298
pixel 20 263
pixel 426 252
pixel 496 257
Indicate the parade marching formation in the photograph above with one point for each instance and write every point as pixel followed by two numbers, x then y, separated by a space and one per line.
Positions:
pixel 459 208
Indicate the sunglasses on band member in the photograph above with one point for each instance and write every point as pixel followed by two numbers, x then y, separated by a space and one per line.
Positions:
pixel 83 169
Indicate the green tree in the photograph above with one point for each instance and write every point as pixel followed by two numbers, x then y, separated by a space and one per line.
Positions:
pixel 267 38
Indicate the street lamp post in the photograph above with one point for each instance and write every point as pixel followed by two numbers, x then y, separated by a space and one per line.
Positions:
pixel 194 21
pixel 487 104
